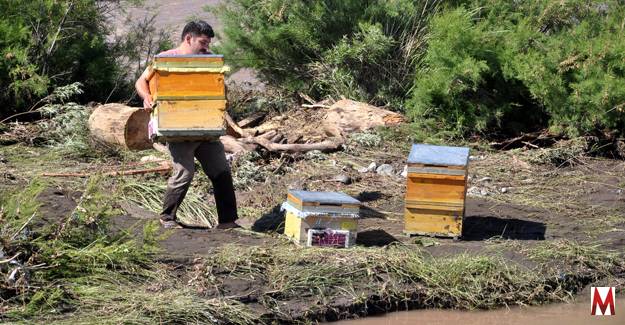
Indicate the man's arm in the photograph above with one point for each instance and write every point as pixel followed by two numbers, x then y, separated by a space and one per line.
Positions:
pixel 143 89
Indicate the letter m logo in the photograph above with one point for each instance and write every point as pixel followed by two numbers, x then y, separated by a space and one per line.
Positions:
pixel 602 297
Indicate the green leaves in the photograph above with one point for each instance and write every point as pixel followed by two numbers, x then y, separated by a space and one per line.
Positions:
pixel 45 44
pixel 531 64
pixel 364 50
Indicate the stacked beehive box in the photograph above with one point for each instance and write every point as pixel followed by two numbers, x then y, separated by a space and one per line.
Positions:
pixel 321 218
pixel 435 190
pixel 190 97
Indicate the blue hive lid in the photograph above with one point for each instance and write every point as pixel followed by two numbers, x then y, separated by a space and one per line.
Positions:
pixel 438 155
pixel 324 197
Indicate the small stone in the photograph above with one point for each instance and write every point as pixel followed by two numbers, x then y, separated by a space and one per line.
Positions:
pixel 372 166
pixel 619 191
pixel 504 190
pixel 342 179
pixel 404 173
pixel 297 185
pixel 484 192
pixel 484 179
pixel 385 169
pixel 472 157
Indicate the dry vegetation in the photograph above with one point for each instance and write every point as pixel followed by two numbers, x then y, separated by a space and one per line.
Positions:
pixel 93 250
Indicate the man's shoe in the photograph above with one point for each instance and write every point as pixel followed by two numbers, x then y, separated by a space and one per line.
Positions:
pixel 170 224
pixel 227 225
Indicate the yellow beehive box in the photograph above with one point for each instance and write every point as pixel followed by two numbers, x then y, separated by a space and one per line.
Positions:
pixel 190 96
pixel 321 218
pixel 435 190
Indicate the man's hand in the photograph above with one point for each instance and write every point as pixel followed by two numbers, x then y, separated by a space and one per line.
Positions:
pixel 143 89
pixel 148 103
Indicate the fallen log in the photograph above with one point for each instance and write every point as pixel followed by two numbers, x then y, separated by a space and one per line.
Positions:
pixel 534 140
pixel 120 125
pixel 329 145
pixel 231 145
pixel 265 127
pixel 251 121
pixel 126 127
pixel 346 116
pixel 233 129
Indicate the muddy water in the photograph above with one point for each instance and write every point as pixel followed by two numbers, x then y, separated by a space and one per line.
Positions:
pixel 569 314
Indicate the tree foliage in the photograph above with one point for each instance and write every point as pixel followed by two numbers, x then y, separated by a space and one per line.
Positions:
pixel 536 63
pixel 45 44
pixel 465 65
pixel 367 50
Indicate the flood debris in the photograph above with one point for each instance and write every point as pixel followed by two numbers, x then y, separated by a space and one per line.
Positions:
pixel 385 169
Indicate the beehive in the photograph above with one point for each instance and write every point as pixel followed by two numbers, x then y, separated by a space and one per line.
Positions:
pixel 190 97
pixel 435 190
pixel 321 218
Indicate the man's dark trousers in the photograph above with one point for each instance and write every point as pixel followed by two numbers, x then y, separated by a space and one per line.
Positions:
pixel 212 157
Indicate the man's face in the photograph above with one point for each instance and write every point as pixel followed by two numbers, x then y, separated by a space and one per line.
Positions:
pixel 199 44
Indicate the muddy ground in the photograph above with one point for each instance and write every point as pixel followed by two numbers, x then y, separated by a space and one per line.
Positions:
pixel 592 208
pixel 513 204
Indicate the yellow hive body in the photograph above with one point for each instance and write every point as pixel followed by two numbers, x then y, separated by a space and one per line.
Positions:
pixel 311 212
pixel 190 96
pixel 297 228
pixel 435 193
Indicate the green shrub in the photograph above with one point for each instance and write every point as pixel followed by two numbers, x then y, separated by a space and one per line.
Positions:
pixel 520 65
pixel 45 44
pixel 365 50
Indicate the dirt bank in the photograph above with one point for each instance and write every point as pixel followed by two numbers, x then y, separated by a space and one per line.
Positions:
pixel 553 231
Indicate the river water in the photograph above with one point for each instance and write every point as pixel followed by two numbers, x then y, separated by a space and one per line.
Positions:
pixel 577 313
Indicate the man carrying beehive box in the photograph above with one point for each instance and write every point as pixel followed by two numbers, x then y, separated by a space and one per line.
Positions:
pixel 188 89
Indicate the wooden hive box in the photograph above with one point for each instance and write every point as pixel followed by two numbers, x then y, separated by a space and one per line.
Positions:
pixel 435 190
pixel 190 96
pixel 321 218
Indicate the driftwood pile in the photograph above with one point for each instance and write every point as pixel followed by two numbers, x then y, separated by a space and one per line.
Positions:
pixel 316 127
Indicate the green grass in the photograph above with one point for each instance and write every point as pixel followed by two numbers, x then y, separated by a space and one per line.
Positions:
pixel 286 273
pixel 114 281
pixel 588 256
pixel 80 273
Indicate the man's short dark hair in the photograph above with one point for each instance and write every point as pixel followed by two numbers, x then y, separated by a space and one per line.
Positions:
pixel 197 28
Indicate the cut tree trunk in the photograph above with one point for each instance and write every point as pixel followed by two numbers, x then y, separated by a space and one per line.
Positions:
pixel 120 125
pixel 126 127
pixel 347 116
